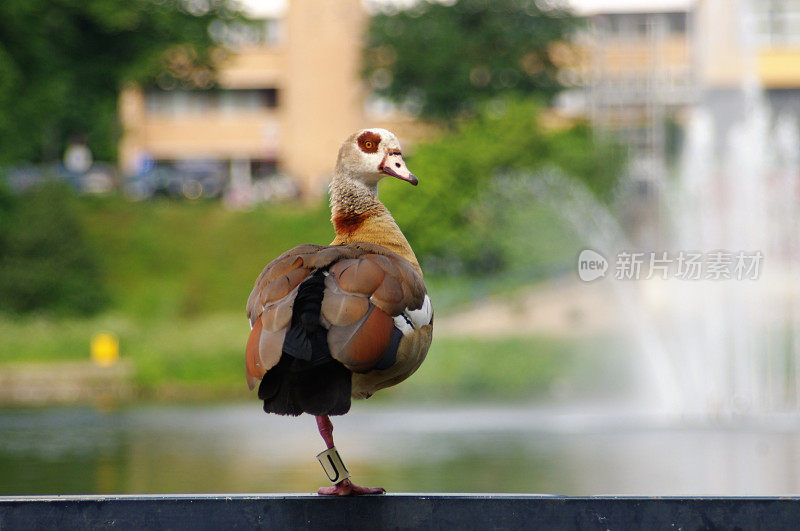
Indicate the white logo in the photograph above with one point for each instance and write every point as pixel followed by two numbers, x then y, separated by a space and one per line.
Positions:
pixel 591 265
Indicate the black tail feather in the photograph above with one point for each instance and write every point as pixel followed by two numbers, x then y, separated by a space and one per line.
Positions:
pixel 307 379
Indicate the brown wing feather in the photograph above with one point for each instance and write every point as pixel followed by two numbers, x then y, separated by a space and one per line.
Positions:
pixel 278 314
pixel 282 285
pixel 340 308
pixel 389 295
pixel 384 263
pixel 358 275
pixel 368 285
pixel 270 349
pixel 251 356
pixel 361 345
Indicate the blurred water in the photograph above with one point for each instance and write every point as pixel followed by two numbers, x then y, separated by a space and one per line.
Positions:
pixel 736 342
pixel 735 345
pixel 599 449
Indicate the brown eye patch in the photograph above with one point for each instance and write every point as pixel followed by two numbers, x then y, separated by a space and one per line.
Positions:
pixel 368 141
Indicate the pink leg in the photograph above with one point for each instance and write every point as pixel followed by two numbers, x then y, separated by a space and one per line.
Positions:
pixel 346 487
pixel 325 427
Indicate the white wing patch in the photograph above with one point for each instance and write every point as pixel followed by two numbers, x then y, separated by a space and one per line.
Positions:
pixel 422 316
pixel 409 320
pixel 402 324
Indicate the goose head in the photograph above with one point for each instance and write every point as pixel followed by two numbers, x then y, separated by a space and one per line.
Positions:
pixel 371 154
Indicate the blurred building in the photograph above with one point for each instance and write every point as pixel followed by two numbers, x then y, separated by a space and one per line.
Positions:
pixel 634 79
pixel 282 104
pixel 291 92
pixel 636 76
pixel 643 64
pixel 744 46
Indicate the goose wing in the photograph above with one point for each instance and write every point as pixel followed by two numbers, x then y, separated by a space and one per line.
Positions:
pixel 368 292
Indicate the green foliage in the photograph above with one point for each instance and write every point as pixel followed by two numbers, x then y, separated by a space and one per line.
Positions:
pixel 167 259
pixel 458 217
pixel 475 368
pixel 447 59
pixel 178 274
pixel 203 357
pixel 63 63
pixel 46 263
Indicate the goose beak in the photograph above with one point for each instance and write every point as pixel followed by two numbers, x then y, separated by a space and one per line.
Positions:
pixel 394 165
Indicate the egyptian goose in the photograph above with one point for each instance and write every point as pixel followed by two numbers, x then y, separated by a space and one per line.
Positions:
pixel 341 321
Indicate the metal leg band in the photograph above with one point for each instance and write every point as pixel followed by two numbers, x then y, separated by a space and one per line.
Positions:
pixel 333 466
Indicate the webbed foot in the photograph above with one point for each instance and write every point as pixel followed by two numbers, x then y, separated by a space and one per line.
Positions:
pixel 348 488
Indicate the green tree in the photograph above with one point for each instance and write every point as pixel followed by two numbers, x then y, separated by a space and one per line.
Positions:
pixel 63 63
pixel 46 263
pixel 457 217
pixel 443 60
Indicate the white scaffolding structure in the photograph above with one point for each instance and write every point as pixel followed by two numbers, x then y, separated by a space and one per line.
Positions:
pixel 638 81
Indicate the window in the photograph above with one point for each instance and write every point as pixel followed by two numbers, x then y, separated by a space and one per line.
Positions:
pixel 185 102
pixel 265 32
pixel 677 22
pixel 263 169
pixel 777 21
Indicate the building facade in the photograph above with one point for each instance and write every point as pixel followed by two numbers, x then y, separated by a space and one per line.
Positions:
pixel 291 92
pixel 643 65
pixel 636 77
pixel 745 46
pixel 282 104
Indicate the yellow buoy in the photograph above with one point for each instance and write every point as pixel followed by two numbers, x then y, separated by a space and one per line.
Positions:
pixel 105 349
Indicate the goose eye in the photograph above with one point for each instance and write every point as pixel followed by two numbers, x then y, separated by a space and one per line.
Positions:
pixel 368 142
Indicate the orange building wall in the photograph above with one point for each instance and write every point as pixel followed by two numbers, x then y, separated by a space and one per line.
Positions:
pixel 315 69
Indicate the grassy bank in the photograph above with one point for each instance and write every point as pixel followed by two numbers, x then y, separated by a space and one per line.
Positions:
pixel 203 357
pixel 173 259
pixel 178 275
pixel 167 259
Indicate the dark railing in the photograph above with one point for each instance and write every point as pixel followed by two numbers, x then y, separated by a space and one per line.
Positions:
pixel 395 511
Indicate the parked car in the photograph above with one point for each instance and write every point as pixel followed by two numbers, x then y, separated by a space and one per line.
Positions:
pixel 189 179
pixel 100 178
